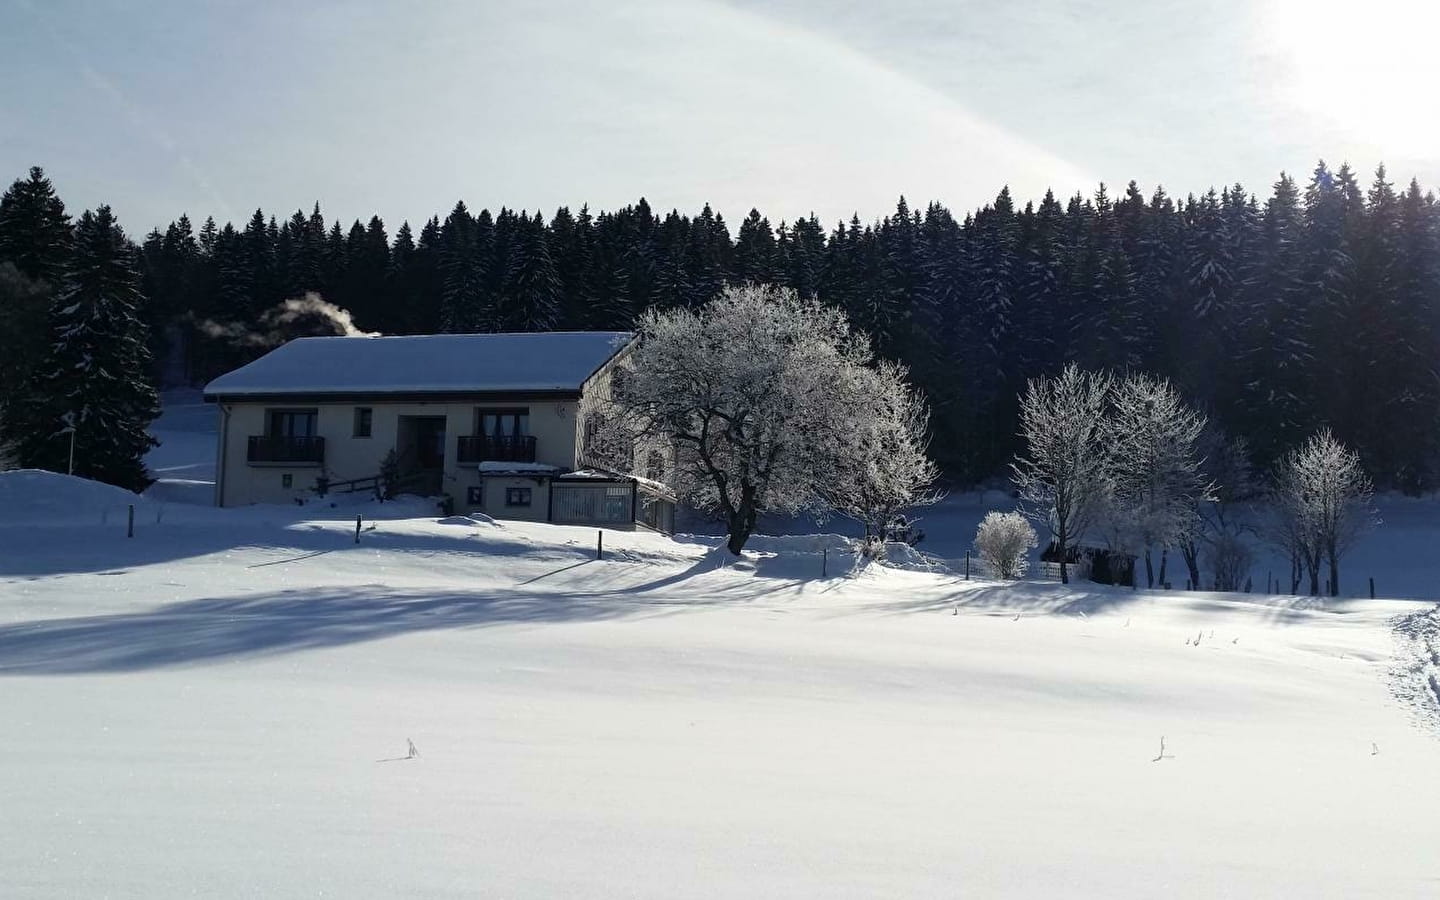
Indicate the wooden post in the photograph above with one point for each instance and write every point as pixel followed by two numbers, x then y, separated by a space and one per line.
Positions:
pixel 130 522
pixel 600 545
pixel 967 565
pixel 825 562
pixel 357 529
pixel 1372 587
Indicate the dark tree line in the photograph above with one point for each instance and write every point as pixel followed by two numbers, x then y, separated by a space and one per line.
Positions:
pixel 1318 305
pixel 77 392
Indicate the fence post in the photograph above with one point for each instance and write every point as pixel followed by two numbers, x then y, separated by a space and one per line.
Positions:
pixel 967 565
pixel 130 522
pixel 599 545
pixel 357 529
pixel 825 562
pixel 1372 587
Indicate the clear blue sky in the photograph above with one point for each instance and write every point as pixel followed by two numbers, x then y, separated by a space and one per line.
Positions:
pixel 170 106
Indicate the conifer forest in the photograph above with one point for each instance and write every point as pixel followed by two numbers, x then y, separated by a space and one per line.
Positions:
pixel 1314 304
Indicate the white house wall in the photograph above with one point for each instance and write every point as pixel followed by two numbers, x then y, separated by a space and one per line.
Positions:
pixel 552 424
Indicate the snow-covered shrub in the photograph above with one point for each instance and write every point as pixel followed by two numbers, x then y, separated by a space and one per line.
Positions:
pixel 1004 540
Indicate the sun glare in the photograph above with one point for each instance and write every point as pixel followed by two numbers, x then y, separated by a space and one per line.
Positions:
pixel 1366 68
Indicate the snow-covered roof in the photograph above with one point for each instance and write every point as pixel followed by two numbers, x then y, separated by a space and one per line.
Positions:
pixel 559 361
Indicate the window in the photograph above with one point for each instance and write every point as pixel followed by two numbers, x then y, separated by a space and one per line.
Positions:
pixel 475 495
pixel 364 416
pixel 502 423
pixel 287 480
pixel 291 423
pixel 517 496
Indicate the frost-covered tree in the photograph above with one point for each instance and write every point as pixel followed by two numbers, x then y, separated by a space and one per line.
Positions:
pixel 763 397
pixel 1155 474
pixel 1004 541
pixel 881 464
pixel 1322 499
pixel 96 377
pixel 1063 474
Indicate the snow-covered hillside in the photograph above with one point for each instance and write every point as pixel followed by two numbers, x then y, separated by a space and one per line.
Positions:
pixel 221 705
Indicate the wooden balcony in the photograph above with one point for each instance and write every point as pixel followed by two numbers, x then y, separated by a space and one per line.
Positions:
pixel 281 450
pixel 478 448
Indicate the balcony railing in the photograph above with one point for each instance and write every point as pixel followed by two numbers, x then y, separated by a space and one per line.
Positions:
pixel 279 448
pixel 478 448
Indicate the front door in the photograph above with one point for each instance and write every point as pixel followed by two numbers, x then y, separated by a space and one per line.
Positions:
pixel 430 442
pixel 421 451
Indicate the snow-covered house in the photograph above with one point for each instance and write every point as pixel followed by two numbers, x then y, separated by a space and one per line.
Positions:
pixel 494 422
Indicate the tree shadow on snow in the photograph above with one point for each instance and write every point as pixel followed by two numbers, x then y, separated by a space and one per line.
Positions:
pixel 198 632
pixel 44 551
pixel 214 629
pixel 1022 598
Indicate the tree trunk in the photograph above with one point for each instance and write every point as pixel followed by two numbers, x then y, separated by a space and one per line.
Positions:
pixel 1334 574
pixel 741 522
pixel 1164 563
pixel 1191 552
pixel 1149 570
pixel 1060 541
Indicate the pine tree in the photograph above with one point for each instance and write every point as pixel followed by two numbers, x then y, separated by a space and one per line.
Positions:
pixel 1409 388
pixel 34 229
pixel 531 299
pixel 463 275
pixel 754 251
pixel 805 261
pixel 398 276
pixel 672 276
pixel 97 378
pixel 705 260
pixel 1275 402
pixel 259 254
pixel 1041 313
pixel 572 245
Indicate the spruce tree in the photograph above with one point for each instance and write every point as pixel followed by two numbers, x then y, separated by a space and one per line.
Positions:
pixel 96 377
pixel 34 229
pixel 754 251
pixel 531 300
pixel 462 269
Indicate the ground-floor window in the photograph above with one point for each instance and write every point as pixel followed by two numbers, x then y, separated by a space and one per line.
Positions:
pixel 517 496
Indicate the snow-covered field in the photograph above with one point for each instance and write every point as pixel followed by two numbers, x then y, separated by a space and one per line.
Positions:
pixel 221 706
